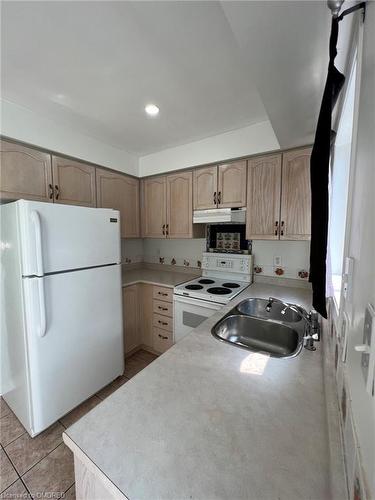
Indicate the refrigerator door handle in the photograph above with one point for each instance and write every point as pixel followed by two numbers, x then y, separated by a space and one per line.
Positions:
pixel 42 308
pixel 35 218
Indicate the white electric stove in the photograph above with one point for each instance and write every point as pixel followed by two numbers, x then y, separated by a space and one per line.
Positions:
pixel 223 277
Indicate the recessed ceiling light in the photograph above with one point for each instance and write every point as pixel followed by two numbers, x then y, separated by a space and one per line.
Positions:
pixel 152 109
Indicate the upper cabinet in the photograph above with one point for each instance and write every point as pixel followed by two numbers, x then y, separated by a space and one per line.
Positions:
pixel 120 192
pixel 263 198
pixel 180 205
pixel 167 207
pixel 153 203
pixel 295 218
pixel 205 188
pixel 25 173
pixel 278 196
pixel 231 185
pixel 31 174
pixel 222 186
pixel 74 182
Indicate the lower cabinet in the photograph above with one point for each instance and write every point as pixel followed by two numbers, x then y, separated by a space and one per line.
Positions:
pixel 148 317
pixel 162 340
pixel 131 315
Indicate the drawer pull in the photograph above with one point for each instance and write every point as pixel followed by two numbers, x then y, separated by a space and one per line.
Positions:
pixel 163 294
pixel 162 323
pixel 163 337
pixel 163 308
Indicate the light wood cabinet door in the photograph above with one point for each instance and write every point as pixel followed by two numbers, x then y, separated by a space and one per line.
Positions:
pixel 205 188
pixel 74 182
pixel 24 173
pixel 232 185
pixel 162 340
pixel 295 218
pixel 120 192
pixel 263 198
pixel 180 205
pixel 147 314
pixel 154 207
pixel 131 318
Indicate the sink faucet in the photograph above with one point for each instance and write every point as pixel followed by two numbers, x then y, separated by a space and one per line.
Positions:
pixel 312 332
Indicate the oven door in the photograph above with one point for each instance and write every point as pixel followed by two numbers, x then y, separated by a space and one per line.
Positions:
pixel 190 313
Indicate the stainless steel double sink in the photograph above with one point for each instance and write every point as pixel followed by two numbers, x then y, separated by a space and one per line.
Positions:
pixel 278 332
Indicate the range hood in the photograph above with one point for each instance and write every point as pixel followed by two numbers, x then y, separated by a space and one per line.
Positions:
pixel 218 215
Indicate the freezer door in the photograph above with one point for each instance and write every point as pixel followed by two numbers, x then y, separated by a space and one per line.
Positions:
pixel 74 338
pixel 63 237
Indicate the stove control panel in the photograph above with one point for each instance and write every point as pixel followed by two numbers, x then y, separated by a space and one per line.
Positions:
pixel 227 265
pixel 224 264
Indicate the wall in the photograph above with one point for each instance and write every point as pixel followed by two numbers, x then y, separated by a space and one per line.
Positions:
pixel 131 250
pixel 253 139
pixel 22 124
pixel 290 256
pixel 293 255
pixel 361 247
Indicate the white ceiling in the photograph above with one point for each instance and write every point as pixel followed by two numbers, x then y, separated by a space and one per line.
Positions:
pixel 210 66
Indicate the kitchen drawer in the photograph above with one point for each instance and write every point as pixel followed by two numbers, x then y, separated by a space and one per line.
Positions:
pixel 162 340
pixel 162 322
pixel 164 308
pixel 162 293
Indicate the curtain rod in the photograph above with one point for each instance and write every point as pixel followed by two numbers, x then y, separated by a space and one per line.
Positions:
pixel 335 7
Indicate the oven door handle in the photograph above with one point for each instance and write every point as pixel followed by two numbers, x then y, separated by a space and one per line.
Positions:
pixel 197 302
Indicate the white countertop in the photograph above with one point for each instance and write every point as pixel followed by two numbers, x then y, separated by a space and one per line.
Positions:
pixel 208 420
pixel 168 278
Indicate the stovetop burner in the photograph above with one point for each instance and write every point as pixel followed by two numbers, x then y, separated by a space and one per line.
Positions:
pixel 231 285
pixel 206 281
pixel 219 290
pixel 194 287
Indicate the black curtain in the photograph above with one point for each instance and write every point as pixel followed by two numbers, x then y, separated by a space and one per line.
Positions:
pixel 319 176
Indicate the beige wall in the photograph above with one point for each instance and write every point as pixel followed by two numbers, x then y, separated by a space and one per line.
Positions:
pixel 361 247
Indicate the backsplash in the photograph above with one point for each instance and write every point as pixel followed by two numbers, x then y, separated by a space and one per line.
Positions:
pixel 131 251
pixel 279 259
pixel 282 259
pixel 186 253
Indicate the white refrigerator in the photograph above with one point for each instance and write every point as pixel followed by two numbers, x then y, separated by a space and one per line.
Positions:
pixel 61 307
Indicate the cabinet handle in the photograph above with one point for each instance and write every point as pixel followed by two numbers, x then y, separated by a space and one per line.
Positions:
pixel 163 294
pixel 167 230
pixel 163 308
pixel 163 337
pixel 163 228
pixel 219 197
pixel 276 227
pixel 282 228
pixel 162 323
pixel 215 198
pixel 57 189
pixel 50 191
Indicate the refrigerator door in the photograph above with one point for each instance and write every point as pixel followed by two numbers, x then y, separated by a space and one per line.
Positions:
pixel 75 339
pixel 58 238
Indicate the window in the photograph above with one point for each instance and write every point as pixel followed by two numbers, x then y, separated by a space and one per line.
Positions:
pixel 339 184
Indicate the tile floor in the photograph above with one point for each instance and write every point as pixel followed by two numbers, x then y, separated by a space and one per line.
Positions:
pixel 42 467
